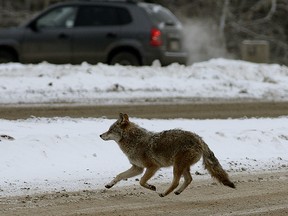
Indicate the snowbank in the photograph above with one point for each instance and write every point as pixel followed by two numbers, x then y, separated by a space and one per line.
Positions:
pixel 217 78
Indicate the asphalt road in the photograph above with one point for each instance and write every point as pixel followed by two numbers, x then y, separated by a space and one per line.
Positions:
pixel 190 110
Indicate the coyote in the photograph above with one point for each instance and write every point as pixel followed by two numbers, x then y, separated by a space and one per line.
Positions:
pixel 177 148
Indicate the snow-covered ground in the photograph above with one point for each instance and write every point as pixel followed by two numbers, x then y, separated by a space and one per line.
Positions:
pixel 54 154
pixel 217 78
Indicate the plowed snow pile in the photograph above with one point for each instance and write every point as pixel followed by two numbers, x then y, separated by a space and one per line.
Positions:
pixel 217 78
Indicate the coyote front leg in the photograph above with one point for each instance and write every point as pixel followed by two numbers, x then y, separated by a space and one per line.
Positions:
pixel 150 171
pixel 133 171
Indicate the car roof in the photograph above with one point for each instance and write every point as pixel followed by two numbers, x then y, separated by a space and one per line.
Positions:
pixel 106 2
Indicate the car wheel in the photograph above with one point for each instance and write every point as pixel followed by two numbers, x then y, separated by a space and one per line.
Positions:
pixel 6 56
pixel 125 58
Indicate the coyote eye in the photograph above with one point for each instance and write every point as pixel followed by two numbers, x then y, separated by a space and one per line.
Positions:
pixel 111 129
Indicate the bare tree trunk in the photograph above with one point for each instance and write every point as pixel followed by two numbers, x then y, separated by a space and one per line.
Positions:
pixel 224 15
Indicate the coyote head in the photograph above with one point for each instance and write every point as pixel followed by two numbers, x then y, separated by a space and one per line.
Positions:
pixel 116 130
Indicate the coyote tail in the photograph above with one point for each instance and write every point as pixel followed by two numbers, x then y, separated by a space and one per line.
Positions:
pixel 213 166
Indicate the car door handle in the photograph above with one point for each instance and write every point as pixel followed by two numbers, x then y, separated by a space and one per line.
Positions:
pixel 63 36
pixel 111 35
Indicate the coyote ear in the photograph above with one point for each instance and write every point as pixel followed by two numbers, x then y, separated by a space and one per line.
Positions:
pixel 124 118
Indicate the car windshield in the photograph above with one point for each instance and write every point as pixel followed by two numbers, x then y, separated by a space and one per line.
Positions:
pixel 159 14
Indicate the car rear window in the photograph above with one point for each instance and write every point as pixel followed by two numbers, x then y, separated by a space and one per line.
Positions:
pixel 102 16
pixel 159 14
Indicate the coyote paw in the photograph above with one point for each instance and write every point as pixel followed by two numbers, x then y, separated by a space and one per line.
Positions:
pixel 162 195
pixel 152 187
pixel 108 186
pixel 177 192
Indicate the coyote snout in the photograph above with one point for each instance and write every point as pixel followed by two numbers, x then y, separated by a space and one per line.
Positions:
pixel 110 135
pixel 104 136
pixel 177 148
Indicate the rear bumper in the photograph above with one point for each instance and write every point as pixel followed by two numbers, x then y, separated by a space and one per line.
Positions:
pixel 165 57
pixel 174 57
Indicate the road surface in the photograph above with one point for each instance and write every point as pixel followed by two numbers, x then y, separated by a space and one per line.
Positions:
pixel 256 194
pixel 182 110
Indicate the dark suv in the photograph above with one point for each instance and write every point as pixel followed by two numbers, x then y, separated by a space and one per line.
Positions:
pixel 124 32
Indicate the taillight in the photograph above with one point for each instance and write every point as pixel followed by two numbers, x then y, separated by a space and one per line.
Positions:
pixel 155 39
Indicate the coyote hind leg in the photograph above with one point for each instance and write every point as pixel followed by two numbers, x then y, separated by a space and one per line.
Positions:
pixel 133 171
pixel 182 167
pixel 177 172
pixel 187 180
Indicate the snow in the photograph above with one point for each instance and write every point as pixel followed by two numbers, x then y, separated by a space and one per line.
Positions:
pixel 217 78
pixel 54 154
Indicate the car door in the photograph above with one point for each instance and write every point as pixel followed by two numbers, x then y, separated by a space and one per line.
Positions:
pixel 96 29
pixel 48 38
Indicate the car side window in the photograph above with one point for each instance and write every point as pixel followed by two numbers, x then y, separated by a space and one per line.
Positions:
pixel 124 16
pixel 63 17
pixel 102 16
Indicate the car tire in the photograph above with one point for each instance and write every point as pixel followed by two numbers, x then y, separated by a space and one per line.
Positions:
pixel 125 58
pixel 6 56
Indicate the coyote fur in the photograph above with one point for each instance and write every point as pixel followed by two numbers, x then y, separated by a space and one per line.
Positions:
pixel 178 148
